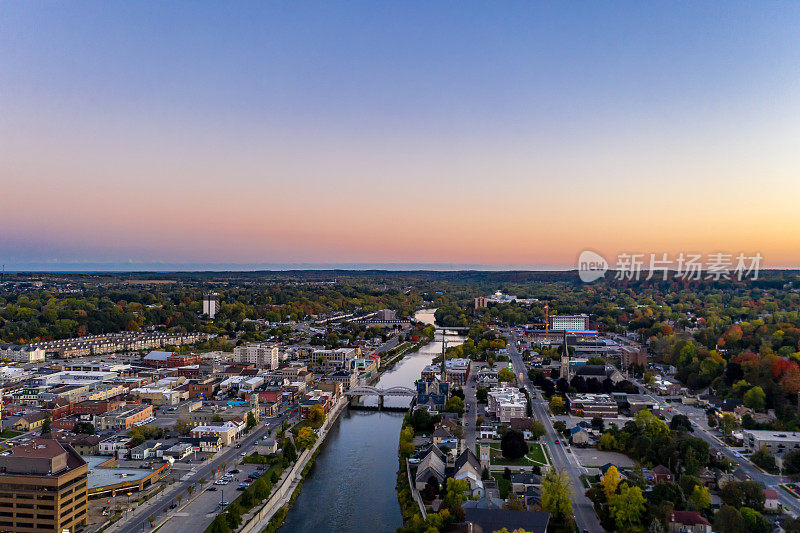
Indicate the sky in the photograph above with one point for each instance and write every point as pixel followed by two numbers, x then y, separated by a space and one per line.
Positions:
pixel 136 134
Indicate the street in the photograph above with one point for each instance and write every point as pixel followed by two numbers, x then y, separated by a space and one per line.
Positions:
pixel 582 507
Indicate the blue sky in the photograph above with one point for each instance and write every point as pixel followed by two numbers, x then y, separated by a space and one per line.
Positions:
pixel 361 113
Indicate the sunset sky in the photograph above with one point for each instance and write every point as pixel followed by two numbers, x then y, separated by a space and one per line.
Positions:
pixel 510 133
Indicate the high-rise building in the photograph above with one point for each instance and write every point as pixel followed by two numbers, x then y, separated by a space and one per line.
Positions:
pixel 211 304
pixel 569 322
pixel 42 488
pixel 261 354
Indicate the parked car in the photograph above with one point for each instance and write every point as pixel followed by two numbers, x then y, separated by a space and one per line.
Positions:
pixel 212 489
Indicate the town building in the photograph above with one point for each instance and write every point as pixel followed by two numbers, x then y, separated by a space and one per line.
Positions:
pixel 260 354
pixel 777 442
pixel 124 418
pixel 22 353
pixel 506 402
pixel 225 431
pixel 44 488
pixel 590 405
pixel 339 358
pixel 211 304
pixel 569 322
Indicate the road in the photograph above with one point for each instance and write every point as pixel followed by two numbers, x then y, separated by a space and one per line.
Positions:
pixel 701 429
pixel 582 507
pixel 138 521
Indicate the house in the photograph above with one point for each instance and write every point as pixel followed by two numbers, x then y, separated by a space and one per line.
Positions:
pixel 662 473
pixel 144 451
pixel 527 487
pixel 579 435
pixel 468 468
pixel 30 422
pixel 771 501
pixel 431 466
pixel 83 444
pixel 268 447
pixel 687 522
pixel 489 520
pixel 707 477
pixel 443 437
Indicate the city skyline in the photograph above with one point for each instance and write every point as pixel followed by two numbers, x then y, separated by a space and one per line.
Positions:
pixel 389 134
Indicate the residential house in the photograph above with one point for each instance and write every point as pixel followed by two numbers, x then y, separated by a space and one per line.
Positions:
pixel 662 473
pixel 488 520
pixel 688 522
pixel 468 467
pixel 579 436
pixel 432 466
pixel 443 437
pixel 771 501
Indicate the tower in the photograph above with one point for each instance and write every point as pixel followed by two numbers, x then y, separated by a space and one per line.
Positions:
pixel 565 370
pixel 444 358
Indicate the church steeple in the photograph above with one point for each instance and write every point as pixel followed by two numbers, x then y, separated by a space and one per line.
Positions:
pixel 444 357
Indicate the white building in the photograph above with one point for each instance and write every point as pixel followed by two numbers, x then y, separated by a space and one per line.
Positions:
pixel 569 322
pixel 777 442
pixel 506 403
pixel 211 304
pixel 261 354
pixel 343 358
pixel 22 353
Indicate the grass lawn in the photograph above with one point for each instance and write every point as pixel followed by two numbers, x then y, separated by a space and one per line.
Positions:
pixel 503 484
pixel 535 456
pixel 9 433
pixel 300 425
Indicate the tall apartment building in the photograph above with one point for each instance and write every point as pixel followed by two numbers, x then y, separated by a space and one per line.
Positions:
pixel 211 304
pixel 42 488
pixel 261 354
pixel 569 322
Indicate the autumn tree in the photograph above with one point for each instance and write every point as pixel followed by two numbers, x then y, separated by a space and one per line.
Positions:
pixel 627 506
pixel 610 482
pixel 557 493
pixel 306 437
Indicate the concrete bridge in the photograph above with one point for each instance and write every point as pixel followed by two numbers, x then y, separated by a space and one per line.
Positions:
pixel 392 392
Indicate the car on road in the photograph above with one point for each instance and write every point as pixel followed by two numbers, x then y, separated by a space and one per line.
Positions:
pixel 221 482
pixel 234 471
pixel 555 442
pixel 212 489
pixel 243 454
pixel 224 503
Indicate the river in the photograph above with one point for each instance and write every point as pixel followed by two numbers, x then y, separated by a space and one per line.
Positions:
pixel 351 487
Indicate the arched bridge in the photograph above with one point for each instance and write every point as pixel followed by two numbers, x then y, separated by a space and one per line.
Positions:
pixel 366 390
pixel 392 392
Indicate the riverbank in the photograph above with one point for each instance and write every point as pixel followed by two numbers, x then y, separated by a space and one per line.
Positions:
pixel 272 514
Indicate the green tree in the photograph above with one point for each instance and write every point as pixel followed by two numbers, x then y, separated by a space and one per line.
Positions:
pixel 791 463
pixel 700 498
pixel 627 506
pixel 513 445
pixel 728 423
pixel 728 520
pixel 251 421
pixel 557 493
pixel 406 446
pixel 46 425
pixel 505 375
pixel 763 458
pixel 182 427
pixel 755 398
pixel 454 405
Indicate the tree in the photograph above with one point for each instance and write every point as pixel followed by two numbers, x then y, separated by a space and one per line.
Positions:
pixel 752 495
pixel 406 446
pixel 763 458
pixel 513 445
pixel 598 423
pixel 731 494
pixel 85 428
pixel 513 503
pixel 505 375
pixel 681 423
pixel 306 437
pixel 251 421
pixel 454 405
pixel 754 522
pixel 151 519
pixel 46 426
pixel 557 405
pixel 537 430
pixel 289 451
pixel 482 395
pixel 485 473
pixel 607 442
pixel 728 520
pixel 190 489
pixel 755 398
pixel 216 418
pixel 627 506
pixel 666 491
pixel 317 415
pixel 610 482
pixel 791 463
pixel 557 493
pixel 219 525
pixel 182 427
pixel 700 498
pixel 728 423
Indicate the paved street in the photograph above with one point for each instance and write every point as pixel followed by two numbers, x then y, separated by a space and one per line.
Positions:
pixel 582 507
pixel 138 520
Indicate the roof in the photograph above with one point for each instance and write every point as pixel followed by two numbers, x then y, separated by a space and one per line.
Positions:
pixel 468 457
pixel 484 502
pixel 687 518
pixel 157 355
pixel 770 494
pixel 661 469
pixel 488 520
